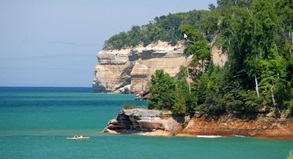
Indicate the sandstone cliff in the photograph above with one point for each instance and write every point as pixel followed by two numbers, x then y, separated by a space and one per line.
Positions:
pixel 262 127
pixel 131 69
pixel 146 122
pixel 163 123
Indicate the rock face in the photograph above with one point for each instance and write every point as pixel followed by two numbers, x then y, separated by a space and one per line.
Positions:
pixel 263 127
pixel 131 69
pixel 146 122
pixel 162 123
pixel 219 58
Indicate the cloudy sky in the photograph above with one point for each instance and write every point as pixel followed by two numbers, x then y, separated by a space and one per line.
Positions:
pixel 54 42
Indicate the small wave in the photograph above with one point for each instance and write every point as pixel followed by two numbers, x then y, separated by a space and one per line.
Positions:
pixel 239 136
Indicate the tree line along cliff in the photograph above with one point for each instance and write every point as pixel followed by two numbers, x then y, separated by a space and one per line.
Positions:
pixel 163 28
pixel 256 35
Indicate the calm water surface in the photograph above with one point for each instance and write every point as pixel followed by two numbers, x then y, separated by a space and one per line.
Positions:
pixel 34 123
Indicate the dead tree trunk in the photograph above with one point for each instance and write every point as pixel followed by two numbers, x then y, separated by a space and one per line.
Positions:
pixel 256 86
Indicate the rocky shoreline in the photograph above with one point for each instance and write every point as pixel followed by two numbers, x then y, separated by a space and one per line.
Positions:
pixel 163 123
pixel 146 122
pixel 262 127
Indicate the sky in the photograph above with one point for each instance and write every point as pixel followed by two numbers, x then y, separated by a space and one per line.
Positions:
pixel 53 43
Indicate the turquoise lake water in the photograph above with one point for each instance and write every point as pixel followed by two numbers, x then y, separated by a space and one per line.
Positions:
pixel 34 123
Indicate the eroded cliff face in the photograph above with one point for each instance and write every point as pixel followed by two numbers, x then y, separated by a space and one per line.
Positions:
pixel 163 123
pixel 262 127
pixel 130 70
pixel 146 122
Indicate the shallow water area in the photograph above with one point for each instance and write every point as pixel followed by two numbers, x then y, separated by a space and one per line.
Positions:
pixel 34 123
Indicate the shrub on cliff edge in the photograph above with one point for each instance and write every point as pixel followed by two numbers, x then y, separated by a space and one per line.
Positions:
pixel 128 106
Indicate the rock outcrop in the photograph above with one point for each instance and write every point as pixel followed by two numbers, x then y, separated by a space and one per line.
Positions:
pixel 146 122
pixel 163 123
pixel 130 70
pixel 262 127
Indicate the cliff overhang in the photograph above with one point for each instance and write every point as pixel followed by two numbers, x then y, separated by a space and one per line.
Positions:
pixel 146 122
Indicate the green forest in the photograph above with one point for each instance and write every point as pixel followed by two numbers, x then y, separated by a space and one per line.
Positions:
pixel 257 36
pixel 164 28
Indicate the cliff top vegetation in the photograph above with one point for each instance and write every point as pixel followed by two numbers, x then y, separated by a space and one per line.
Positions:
pixel 257 79
pixel 164 28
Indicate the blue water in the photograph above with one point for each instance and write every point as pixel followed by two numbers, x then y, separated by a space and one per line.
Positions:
pixel 34 123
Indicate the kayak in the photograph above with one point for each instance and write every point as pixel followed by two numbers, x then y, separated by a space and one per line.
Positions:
pixel 208 136
pixel 78 138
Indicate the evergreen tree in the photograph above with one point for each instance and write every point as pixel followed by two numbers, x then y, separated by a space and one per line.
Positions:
pixel 179 107
pixel 164 28
pixel 162 89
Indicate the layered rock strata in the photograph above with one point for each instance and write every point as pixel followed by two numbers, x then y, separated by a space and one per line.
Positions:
pixel 130 70
pixel 146 122
pixel 163 123
pixel 263 127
